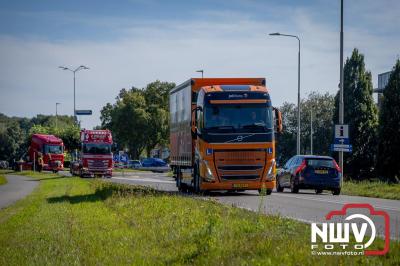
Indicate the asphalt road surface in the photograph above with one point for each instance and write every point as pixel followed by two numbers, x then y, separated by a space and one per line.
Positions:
pixel 16 188
pixel 305 206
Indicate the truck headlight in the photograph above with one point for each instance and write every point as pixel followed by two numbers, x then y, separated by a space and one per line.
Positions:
pixel 209 175
pixel 270 173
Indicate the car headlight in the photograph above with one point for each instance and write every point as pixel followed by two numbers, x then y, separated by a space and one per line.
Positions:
pixel 270 173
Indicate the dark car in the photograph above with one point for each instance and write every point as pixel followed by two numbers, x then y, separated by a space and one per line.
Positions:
pixel 153 162
pixel 310 172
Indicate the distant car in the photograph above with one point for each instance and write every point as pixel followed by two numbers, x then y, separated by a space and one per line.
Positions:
pixel 310 172
pixel 134 164
pixel 154 162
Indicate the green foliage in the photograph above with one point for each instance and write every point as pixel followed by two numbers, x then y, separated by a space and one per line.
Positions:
pixel 374 189
pixel 360 113
pixel 15 133
pixel 322 106
pixel 69 134
pixel 11 140
pixel 389 129
pixel 139 119
pixel 72 221
pixel 3 180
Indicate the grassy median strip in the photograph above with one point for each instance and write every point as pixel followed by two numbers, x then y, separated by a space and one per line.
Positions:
pixel 3 180
pixel 75 221
pixel 375 189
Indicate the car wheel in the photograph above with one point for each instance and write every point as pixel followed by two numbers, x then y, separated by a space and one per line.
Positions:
pixel 318 191
pixel 336 191
pixel 279 188
pixel 293 187
pixel 267 191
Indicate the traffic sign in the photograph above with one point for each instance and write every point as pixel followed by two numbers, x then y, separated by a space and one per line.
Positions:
pixel 83 112
pixel 341 131
pixel 342 147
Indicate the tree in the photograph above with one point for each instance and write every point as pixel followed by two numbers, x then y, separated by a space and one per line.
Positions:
pixel 389 128
pixel 128 120
pixel 11 139
pixel 323 108
pixel 157 100
pixel 360 113
pixel 286 142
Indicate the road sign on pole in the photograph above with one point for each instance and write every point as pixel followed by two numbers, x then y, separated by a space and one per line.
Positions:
pixel 342 141
pixel 83 112
pixel 342 147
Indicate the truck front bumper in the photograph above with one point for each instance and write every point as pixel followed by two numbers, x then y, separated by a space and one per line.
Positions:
pixel 238 185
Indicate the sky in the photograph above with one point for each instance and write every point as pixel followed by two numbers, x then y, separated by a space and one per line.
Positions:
pixel 135 42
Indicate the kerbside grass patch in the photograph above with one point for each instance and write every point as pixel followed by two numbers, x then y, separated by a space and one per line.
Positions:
pixel 375 189
pixel 71 221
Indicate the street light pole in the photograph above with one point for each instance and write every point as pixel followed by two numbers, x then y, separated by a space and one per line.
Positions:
pixel 341 102
pixel 57 115
pixel 200 71
pixel 311 132
pixel 298 87
pixel 81 67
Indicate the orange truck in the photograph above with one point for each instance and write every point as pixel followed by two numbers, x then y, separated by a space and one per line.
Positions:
pixel 222 135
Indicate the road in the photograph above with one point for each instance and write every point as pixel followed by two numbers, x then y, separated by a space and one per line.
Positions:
pixel 16 188
pixel 305 206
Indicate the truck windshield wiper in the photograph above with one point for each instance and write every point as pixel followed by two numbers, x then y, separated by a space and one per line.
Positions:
pixel 221 127
pixel 256 125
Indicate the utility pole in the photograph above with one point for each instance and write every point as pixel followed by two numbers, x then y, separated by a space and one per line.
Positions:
pixel 341 102
pixel 311 132
pixel 201 71
pixel 57 115
pixel 81 67
pixel 298 87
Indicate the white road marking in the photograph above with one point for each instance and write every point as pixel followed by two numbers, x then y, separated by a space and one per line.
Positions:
pixel 147 179
pixel 335 201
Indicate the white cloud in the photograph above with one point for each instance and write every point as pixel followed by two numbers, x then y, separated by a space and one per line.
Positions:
pixel 223 44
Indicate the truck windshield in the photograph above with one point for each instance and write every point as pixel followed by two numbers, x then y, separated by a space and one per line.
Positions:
pixel 96 148
pixel 238 117
pixel 53 149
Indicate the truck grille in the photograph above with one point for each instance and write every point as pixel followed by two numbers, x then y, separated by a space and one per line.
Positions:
pixel 239 164
pixel 98 164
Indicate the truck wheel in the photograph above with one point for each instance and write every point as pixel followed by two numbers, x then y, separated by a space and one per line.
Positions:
pixel 336 191
pixel 196 180
pixel 267 191
pixel 279 188
pixel 318 191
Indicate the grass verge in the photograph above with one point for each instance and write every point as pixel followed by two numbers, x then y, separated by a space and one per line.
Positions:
pixel 76 221
pixel 3 180
pixel 375 189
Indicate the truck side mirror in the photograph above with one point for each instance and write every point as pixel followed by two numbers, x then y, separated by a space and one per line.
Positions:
pixel 278 120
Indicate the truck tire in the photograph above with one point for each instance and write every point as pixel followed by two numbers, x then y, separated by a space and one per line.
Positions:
pixel 268 191
pixel 196 180
pixel 279 188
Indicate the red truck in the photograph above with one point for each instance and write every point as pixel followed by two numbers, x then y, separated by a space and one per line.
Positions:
pixel 52 150
pixel 95 158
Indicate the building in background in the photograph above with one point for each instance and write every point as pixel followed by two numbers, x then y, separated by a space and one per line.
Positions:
pixel 383 80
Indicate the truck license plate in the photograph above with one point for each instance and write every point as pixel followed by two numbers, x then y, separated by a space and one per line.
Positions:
pixel 240 185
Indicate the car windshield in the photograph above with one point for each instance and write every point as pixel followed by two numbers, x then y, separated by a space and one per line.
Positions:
pixel 320 163
pixel 97 148
pixel 238 117
pixel 53 149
